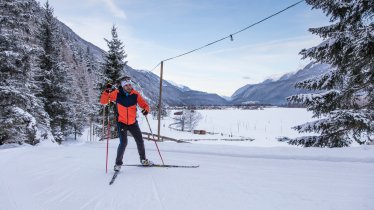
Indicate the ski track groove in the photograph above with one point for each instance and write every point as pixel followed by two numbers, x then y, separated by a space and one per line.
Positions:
pixel 61 196
pixel 10 195
pixel 156 192
pixel 46 190
pixel 98 204
pixel 277 157
pixel 39 174
pixel 90 201
pixel 268 156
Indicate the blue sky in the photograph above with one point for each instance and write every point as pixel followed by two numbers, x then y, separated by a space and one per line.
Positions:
pixel 155 30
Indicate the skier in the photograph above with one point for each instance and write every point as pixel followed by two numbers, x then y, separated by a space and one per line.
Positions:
pixel 126 99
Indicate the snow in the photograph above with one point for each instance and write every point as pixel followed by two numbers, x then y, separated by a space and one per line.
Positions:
pixel 259 174
pixel 179 86
pixel 264 126
pixel 276 77
pixel 72 176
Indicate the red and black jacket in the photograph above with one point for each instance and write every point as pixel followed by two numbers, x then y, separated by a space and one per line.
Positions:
pixel 126 104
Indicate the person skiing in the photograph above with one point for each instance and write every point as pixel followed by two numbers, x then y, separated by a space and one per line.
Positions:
pixel 126 99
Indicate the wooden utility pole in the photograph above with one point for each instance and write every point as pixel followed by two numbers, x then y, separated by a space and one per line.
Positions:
pixel 159 103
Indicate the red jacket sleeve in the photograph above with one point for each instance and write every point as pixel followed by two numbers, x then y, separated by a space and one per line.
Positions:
pixel 142 103
pixel 108 97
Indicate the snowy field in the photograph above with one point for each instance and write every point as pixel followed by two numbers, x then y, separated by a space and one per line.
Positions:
pixel 259 174
pixel 264 126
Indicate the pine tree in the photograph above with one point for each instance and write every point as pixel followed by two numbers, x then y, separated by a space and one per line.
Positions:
pixel 22 117
pixel 114 59
pixel 54 79
pixel 345 106
pixel 83 100
pixel 113 69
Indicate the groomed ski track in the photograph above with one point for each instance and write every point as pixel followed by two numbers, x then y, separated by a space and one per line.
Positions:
pixel 73 176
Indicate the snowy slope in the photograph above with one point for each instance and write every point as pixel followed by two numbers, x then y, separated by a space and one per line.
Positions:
pixel 73 177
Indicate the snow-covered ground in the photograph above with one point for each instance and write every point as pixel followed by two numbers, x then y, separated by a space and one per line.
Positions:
pixel 259 174
pixel 72 176
pixel 264 126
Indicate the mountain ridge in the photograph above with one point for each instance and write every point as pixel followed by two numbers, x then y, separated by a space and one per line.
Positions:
pixel 85 60
pixel 275 92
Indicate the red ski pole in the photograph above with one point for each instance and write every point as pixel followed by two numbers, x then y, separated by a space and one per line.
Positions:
pixel 107 141
pixel 103 136
pixel 154 140
pixel 103 129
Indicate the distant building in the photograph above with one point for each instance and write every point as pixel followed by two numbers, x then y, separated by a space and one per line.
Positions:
pixel 201 132
pixel 178 113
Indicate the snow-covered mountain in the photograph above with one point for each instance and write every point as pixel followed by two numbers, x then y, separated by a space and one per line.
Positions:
pixel 84 61
pixel 181 87
pixel 79 52
pixel 172 94
pixel 275 91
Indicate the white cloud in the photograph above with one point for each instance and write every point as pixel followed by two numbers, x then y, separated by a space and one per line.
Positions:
pixel 85 5
pixel 114 9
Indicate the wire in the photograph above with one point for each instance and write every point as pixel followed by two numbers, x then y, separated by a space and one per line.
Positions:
pixel 155 67
pixel 231 35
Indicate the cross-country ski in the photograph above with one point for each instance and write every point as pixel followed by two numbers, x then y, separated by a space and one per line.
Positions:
pixel 163 166
pixel 114 177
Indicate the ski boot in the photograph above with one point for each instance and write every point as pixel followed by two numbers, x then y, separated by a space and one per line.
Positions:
pixel 117 167
pixel 146 162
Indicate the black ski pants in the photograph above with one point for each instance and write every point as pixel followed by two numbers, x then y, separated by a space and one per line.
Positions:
pixel 122 133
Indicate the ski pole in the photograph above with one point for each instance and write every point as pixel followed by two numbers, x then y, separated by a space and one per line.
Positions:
pixel 103 129
pixel 107 144
pixel 154 140
pixel 107 141
pixel 103 136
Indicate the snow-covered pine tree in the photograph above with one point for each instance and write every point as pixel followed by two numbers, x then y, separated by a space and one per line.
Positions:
pixel 345 108
pixel 114 59
pixel 91 67
pixel 83 101
pixel 94 78
pixel 55 79
pixel 22 115
pixel 113 68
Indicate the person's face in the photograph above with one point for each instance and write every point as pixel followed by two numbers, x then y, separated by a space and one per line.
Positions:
pixel 127 87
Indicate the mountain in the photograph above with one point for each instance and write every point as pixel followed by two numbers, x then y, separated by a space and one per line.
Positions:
pixel 148 82
pixel 181 87
pixel 27 52
pixel 172 94
pixel 276 91
pixel 84 61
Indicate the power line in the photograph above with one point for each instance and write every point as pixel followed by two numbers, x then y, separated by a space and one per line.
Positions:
pixel 191 51
pixel 155 67
pixel 231 35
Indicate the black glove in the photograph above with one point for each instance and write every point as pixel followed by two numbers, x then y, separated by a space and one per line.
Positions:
pixel 145 112
pixel 109 88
